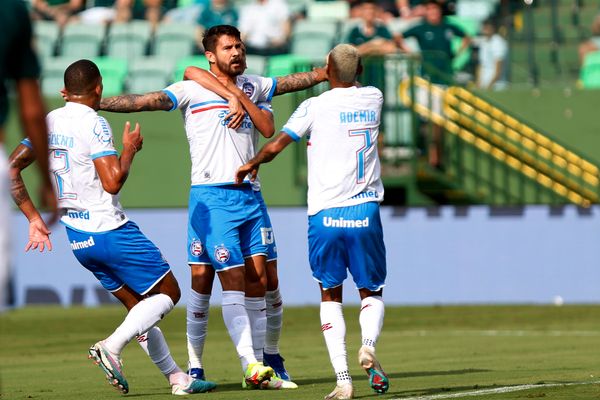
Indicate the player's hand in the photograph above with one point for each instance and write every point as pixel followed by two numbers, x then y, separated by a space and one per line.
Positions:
pixel 243 172
pixel 236 113
pixel 133 137
pixel 39 236
pixel 49 201
pixel 321 74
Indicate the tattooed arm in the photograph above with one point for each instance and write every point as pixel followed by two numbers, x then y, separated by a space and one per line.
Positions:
pixel 39 233
pixel 153 101
pixel 300 81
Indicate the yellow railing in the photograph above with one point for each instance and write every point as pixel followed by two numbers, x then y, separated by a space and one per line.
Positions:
pixel 508 140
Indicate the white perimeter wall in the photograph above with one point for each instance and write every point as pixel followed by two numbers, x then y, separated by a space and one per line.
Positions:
pixel 438 255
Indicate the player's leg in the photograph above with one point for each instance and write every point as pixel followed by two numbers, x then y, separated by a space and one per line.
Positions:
pixel 368 268
pixel 327 257
pixel 255 287
pixel 198 309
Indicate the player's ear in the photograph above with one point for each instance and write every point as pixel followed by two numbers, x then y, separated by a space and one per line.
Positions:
pixel 211 57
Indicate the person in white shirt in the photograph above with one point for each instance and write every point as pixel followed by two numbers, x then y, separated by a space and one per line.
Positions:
pixel 493 51
pixel 88 176
pixel 344 192
pixel 265 26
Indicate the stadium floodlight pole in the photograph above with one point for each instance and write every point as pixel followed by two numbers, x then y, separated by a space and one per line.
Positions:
pixel 533 69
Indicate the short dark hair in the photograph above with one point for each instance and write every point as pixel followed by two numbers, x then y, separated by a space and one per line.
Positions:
pixel 212 35
pixel 434 2
pixel 81 77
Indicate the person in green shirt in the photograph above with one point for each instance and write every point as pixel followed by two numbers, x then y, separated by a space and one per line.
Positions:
pixel 435 36
pixel 371 37
pixel 56 10
pixel 18 63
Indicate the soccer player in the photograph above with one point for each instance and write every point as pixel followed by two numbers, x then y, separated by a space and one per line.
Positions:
pixel 89 175
pixel 221 139
pixel 19 63
pixel 344 192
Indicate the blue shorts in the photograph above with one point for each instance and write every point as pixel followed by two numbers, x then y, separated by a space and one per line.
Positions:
pixel 224 226
pixel 123 256
pixel 267 234
pixel 347 238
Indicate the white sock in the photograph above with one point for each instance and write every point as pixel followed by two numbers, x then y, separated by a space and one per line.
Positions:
pixel 256 309
pixel 334 331
pixel 274 321
pixel 238 325
pixel 372 311
pixel 143 316
pixel 154 344
pixel 198 307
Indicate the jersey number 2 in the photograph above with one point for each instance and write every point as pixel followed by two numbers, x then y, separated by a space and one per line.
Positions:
pixel 360 153
pixel 60 159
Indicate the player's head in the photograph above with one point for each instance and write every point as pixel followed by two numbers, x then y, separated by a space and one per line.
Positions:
pixel 433 12
pixel 83 83
pixel 343 64
pixel 225 50
pixel 488 27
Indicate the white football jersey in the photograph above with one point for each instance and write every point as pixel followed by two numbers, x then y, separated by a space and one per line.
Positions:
pixel 341 127
pixel 216 150
pixel 77 136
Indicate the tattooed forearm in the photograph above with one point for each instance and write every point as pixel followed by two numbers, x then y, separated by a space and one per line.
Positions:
pixel 18 190
pixel 20 159
pixel 297 81
pixel 152 101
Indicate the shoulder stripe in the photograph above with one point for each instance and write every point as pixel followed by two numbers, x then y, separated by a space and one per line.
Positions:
pixel 103 154
pixel 27 142
pixel 272 92
pixel 173 99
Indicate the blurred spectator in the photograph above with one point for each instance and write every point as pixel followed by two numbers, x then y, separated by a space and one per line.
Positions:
pixel 593 43
pixel 435 36
pixel 187 11
pixel 265 27
pixel 55 10
pixel 416 8
pixel 218 12
pixel 105 11
pixel 493 50
pixel 371 37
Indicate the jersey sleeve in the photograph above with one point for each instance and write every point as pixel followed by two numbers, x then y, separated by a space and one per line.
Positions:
pixel 266 88
pixel 178 94
pixel 265 105
pixel 101 143
pixel 300 123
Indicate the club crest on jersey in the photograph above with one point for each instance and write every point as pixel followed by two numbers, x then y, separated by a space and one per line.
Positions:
pixel 196 248
pixel 248 89
pixel 222 254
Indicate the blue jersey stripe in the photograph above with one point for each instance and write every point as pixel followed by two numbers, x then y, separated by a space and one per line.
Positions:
pixel 27 142
pixel 173 99
pixel 290 132
pixel 103 154
pixel 208 102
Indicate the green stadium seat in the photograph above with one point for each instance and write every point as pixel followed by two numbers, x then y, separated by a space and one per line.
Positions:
pixel 183 63
pixel 328 10
pixel 53 71
pixel 471 27
pixel 114 72
pixel 46 36
pixel 256 64
pixel 590 71
pixel 149 74
pixel 128 40
pixel 82 40
pixel 285 64
pixel 314 39
pixel 174 40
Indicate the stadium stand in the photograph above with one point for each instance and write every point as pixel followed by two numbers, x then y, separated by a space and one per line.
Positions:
pixel 174 40
pixel 147 74
pixel 82 40
pixel 128 40
pixel 114 72
pixel 53 75
pixel 46 37
pixel 183 63
pixel 313 39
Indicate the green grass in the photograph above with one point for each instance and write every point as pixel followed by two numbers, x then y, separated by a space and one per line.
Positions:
pixel 425 350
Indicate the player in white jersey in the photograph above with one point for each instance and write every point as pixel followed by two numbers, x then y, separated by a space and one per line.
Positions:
pixel 226 54
pixel 344 192
pixel 88 175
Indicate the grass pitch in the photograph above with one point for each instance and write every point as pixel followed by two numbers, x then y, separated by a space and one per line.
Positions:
pixel 472 352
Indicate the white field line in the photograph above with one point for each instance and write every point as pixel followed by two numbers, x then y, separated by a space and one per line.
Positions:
pixel 499 390
pixel 524 333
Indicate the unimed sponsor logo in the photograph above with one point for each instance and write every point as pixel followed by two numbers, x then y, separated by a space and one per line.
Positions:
pixel 84 244
pixel 329 222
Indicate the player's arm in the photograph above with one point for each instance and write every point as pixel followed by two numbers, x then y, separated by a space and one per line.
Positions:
pixel 33 118
pixel 300 81
pixel 113 171
pixel 153 101
pixel 210 82
pixel 262 119
pixel 21 158
pixel 268 152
